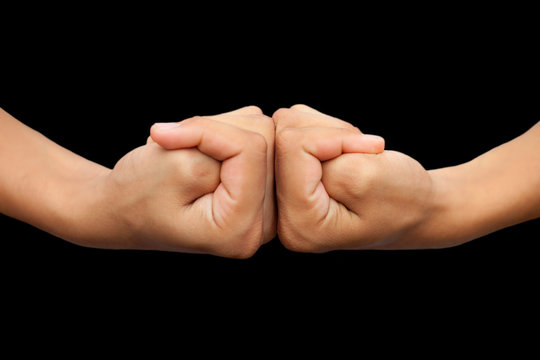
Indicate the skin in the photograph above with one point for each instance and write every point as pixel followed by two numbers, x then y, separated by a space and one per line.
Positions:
pixel 330 199
pixel 206 185
pixel 203 185
pixel 252 119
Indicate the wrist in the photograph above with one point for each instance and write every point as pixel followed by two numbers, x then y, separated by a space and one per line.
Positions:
pixel 452 208
pixel 85 214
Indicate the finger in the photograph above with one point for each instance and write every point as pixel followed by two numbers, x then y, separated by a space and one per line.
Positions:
pixel 246 110
pixel 149 140
pixel 197 172
pixel 219 140
pixel 301 151
pixel 263 125
pixel 306 109
pixel 295 118
pixel 328 143
pixel 332 121
pixel 253 122
pixel 243 172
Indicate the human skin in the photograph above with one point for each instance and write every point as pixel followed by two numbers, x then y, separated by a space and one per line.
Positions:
pixel 208 195
pixel 252 119
pixel 205 185
pixel 388 200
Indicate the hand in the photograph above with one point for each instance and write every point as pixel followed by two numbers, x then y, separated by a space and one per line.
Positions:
pixel 207 197
pixel 336 188
pixel 310 220
pixel 251 118
pixel 387 198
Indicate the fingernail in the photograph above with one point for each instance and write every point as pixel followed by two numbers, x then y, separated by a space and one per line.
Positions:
pixel 373 137
pixel 165 126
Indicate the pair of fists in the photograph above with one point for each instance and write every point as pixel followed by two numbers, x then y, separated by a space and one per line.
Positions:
pixel 206 185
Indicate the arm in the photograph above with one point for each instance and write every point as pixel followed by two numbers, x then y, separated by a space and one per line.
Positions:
pixel 387 200
pixel 42 183
pixel 498 189
pixel 402 206
pixel 202 191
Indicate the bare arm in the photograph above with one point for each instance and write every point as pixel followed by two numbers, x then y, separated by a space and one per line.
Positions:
pixel 203 191
pixel 387 200
pixel 42 183
pixel 498 189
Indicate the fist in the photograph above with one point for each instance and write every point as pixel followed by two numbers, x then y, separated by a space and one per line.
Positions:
pixel 310 219
pixel 252 119
pixel 387 196
pixel 203 185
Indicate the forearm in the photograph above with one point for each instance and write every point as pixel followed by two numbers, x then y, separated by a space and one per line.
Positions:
pixel 42 183
pixel 496 190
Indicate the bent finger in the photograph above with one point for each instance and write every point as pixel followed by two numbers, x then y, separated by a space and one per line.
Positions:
pixel 243 153
pixel 296 117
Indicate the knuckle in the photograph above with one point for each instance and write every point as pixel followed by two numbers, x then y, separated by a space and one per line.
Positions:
pixel 286 135
pixel 365 175
pixel 300 107
pixel 268 122
pixel 341 168
pixel 366 170
pixel 263 120
pixel 182 162
pixel 205 170
pixel 192 164
pixel 287 139
pixel 349 176
pixel 191 121
pixel 281 114
pixel 252 109
pixel 261 124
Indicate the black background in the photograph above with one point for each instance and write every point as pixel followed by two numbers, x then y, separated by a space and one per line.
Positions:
pixel 440 90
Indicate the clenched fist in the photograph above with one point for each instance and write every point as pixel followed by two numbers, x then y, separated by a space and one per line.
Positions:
pixel 206 185
pixel 388 197
pixel 237 139
pixel 203 185
pixel 227 206
pixel 310 219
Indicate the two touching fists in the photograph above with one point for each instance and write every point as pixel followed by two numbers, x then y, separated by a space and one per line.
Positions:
pixel 206 185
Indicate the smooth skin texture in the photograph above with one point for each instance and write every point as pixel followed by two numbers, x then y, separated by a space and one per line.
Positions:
pixel 206 185
pixel 208 195
pixel 387 200
pixel 310 220
pixel 249 118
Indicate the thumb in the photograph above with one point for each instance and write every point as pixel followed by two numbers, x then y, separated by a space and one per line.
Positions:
pixel 162 132
pixel 300 154
pixel 242 153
